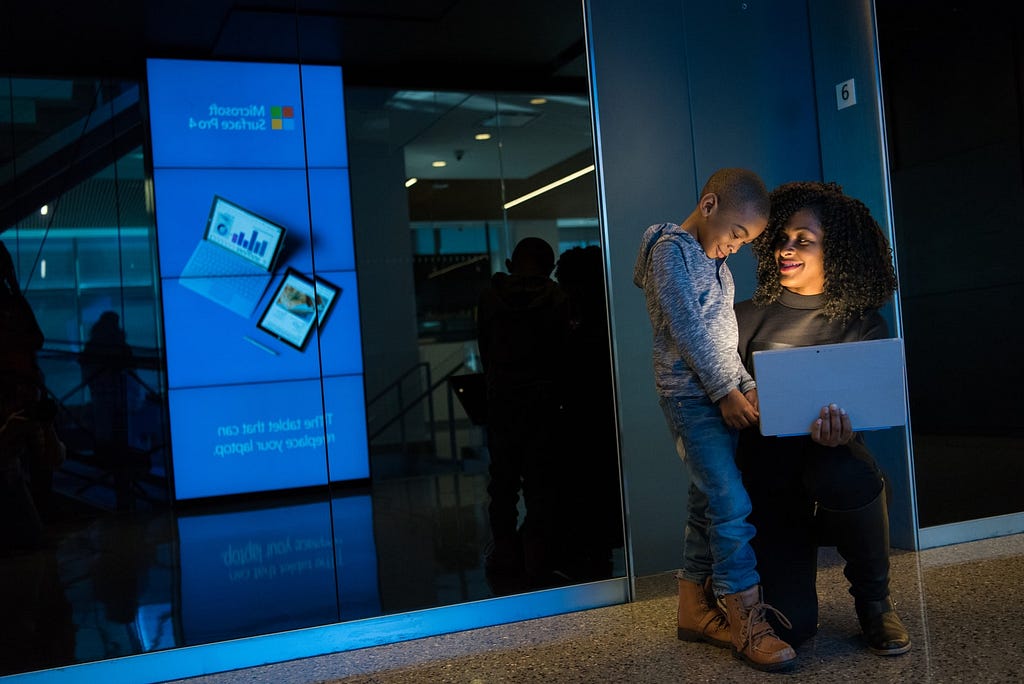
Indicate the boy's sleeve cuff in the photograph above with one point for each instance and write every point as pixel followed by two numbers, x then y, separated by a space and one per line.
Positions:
pixel 718 394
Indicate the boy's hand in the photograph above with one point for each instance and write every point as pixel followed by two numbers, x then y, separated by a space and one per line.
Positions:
pixel 737 411
pixel 751 396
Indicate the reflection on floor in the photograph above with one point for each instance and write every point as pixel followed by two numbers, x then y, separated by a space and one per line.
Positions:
pixel 960 603
pixel 119 584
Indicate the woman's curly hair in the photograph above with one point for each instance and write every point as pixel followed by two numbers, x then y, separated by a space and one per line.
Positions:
pixel 859 273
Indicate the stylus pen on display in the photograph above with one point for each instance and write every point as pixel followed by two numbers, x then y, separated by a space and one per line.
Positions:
pixel 261 346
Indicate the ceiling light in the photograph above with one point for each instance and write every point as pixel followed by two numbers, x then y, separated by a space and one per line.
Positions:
pixel 549 186
pixel 439 163
pixel 482 136
pixel 44 210
pixel 539 101
pixel 411 182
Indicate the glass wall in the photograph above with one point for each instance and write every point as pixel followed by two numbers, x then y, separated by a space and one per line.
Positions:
pixel 449 159
pixel 957 180
pixel 87 552
pixel 119 546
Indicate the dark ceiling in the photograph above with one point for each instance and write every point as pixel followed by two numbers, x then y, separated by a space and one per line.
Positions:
pixel 459 46
pixel 535 44
pixel 527 46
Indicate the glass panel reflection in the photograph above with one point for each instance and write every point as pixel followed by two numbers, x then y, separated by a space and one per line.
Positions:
pixel 106 563
pixel 967 461
pixel 482 172
pixel 268 569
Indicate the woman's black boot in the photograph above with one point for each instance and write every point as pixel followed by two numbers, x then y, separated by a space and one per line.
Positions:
pixel 882 627
pixel 862 539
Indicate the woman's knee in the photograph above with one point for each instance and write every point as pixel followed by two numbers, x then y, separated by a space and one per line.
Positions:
pixel 842 481
pixel 796 600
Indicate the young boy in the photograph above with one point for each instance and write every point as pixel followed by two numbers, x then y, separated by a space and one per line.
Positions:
pixel 707 396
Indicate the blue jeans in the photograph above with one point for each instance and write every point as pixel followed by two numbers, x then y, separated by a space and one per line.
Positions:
pixel 717 537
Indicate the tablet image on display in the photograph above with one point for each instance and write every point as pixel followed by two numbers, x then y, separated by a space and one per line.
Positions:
pixel 299 303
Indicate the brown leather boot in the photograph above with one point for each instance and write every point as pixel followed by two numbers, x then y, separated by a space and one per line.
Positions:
pixel 699 617
pixel 753 639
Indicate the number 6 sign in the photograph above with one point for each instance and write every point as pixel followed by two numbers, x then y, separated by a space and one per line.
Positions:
pixel 846 94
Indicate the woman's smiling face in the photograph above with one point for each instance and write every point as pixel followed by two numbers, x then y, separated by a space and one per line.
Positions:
pixel 800 255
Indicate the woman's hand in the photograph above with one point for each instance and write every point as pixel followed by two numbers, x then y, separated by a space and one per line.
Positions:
pixel 832 428
pixel 737 410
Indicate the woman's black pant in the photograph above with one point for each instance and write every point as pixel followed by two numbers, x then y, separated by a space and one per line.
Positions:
pixel 805 495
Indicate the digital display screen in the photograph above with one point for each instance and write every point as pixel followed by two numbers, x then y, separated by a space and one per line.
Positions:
pixel 250 161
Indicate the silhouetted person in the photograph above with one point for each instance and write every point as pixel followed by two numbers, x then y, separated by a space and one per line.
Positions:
pixel 119 570
pixel 590 511
pixel 523 326
pixel 37 629
pixel 21 392
pixel 106 361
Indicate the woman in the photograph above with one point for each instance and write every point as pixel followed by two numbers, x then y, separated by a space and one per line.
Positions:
pixel 824 269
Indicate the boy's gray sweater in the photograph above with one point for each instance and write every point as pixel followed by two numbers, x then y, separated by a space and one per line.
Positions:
pixel 690 302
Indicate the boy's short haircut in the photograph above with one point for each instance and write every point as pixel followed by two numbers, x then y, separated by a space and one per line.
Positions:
pixel 533 254
pixel 738 189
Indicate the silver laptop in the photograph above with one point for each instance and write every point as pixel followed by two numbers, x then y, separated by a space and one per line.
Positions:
pixel 867 379
pixel 233 264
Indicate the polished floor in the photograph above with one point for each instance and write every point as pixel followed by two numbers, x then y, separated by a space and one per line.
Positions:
pixel 124 584
pixel 961 603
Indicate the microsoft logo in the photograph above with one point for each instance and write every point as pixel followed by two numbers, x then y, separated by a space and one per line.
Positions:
pixel 282 118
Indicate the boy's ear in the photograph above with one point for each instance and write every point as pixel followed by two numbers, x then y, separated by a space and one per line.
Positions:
pixel 508 265
pixel 707 204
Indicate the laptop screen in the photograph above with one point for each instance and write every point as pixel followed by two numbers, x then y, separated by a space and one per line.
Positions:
pixel 244 233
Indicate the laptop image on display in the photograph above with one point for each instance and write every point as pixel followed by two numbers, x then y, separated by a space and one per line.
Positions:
pixel 867 379
pixel 233 264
